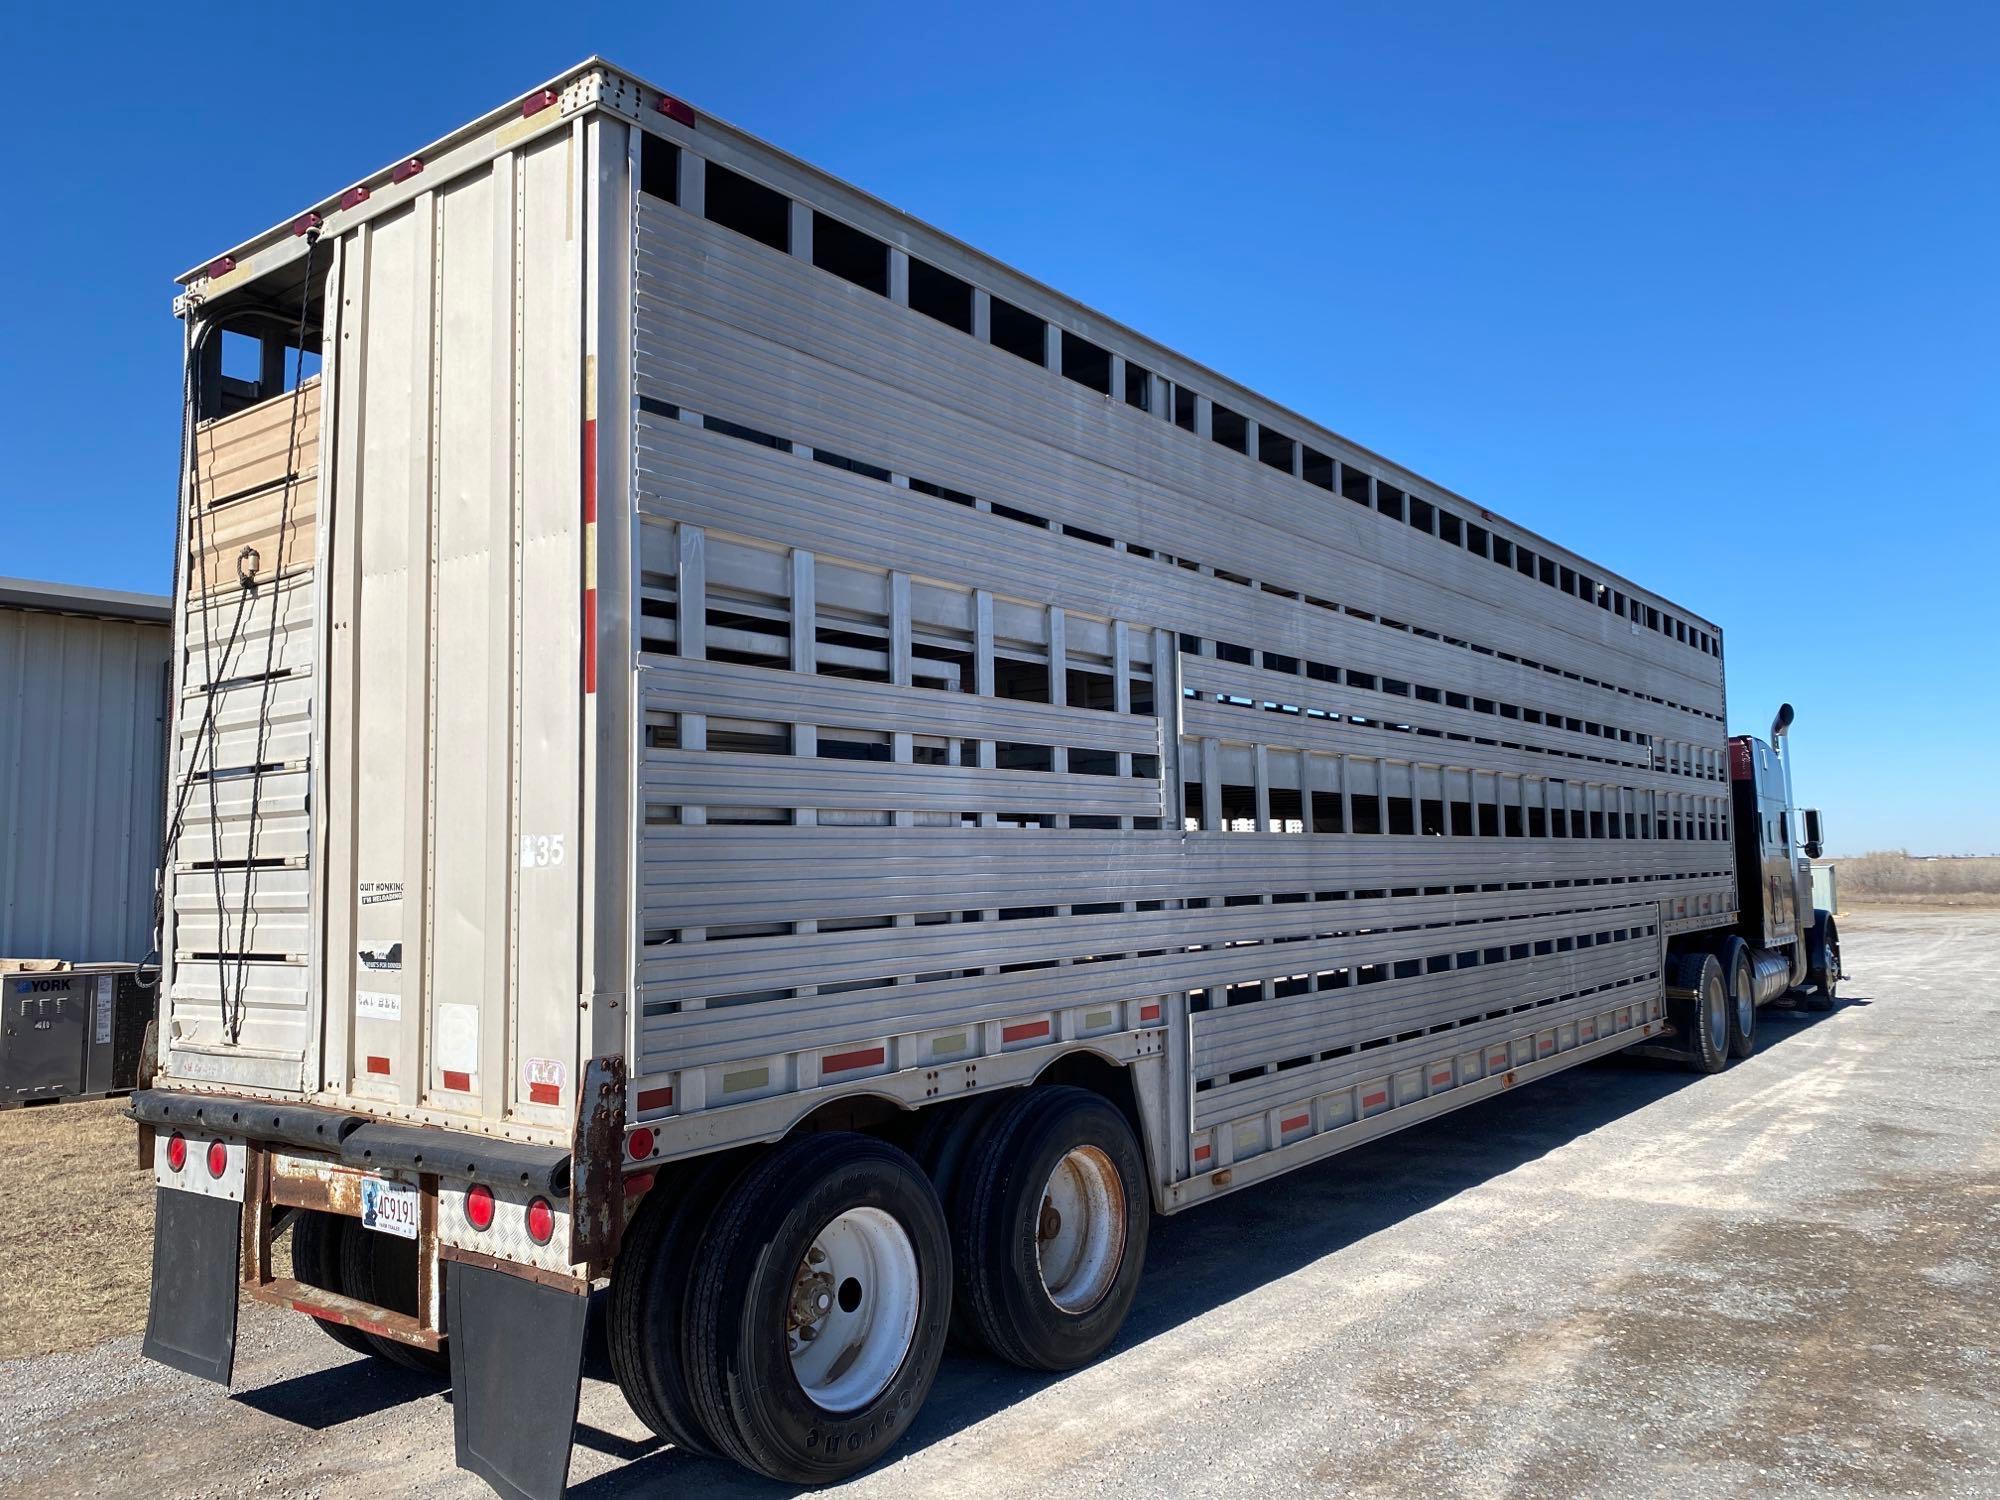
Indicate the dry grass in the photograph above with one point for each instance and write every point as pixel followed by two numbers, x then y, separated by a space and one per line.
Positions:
pixel 76 1228
pixel 1895 879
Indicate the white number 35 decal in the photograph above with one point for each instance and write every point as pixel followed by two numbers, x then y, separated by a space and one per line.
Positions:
pixel 540 850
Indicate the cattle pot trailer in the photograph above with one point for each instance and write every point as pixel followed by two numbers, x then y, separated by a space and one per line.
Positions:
pixel 738 749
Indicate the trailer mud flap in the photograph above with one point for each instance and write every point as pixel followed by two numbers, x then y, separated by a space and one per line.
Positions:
pixel 516 1375
pixel 191 1316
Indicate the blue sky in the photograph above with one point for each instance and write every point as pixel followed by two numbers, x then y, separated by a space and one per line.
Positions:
pixel 1707 293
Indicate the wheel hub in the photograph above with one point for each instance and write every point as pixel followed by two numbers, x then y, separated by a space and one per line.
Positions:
pixel 853 1310
pixel 1080 1235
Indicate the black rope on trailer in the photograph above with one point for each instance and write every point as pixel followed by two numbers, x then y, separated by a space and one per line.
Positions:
pixel 233 1021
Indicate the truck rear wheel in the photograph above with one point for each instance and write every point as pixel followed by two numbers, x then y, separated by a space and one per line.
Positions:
pixel 816 1320
pixel 1823 962
pixel 944 1139
pixel 381 1269
pixel 1704 1012
pixel 316 1238
pixel 1049 1228
pixel 1742 980
pixel 647 1312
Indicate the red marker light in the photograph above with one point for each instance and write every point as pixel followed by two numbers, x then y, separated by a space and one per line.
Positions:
pixel 674 110
pixel 541 1221
pixel 354 197
pixel 218 1158
pixel 222 265
pixel 640 1144
pixel 406 170
pixel 305 223
pixel 536 102
pixel 177 1151
pixel 479 1207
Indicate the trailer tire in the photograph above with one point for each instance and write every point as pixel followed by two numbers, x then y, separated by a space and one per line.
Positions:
pixel 1741 976
pixel 1704 1012
pixel 847 1225
pixel 316 1238
pixel 381 1269
pixel 943 1140
pixel 1055 1159
pixel 646 1313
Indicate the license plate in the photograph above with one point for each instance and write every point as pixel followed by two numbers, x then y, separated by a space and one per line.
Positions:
pixel 389 1207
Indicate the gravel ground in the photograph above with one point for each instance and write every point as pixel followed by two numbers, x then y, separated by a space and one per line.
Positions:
pixel 1783 1281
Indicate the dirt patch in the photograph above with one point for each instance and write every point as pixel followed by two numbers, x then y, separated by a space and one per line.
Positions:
pixel 76 1228
pixel 1972 901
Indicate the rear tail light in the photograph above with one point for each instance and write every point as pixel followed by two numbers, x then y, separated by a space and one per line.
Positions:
pixel 218 1158
pixel 177 1151
pixel 541 1221
pixel 479 1207
pixel 640 1144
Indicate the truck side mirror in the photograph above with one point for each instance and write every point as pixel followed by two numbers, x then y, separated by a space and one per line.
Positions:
pixel 1813 836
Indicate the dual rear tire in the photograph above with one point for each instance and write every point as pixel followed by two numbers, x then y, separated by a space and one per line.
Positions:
pixel 335 1254
pixel 790 1312
pixel 1703 1010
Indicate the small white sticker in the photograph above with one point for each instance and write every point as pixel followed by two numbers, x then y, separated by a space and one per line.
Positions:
pixel 375 892
pixel 106 988
pixel 384 958
pixel 378 1005
pixel 457 1038
pixel 540 850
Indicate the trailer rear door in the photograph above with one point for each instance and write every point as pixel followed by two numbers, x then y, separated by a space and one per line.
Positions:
pixel 452 778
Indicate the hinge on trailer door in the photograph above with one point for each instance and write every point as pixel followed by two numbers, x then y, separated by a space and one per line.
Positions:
pixel 597 1159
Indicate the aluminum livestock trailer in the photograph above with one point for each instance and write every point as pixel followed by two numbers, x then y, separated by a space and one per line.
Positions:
pixel 740 747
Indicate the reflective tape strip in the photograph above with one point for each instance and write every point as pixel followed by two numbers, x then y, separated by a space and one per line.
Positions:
pixel 845 1062
pixel 591 555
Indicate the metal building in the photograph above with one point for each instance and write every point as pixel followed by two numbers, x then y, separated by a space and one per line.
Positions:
pixel 83 681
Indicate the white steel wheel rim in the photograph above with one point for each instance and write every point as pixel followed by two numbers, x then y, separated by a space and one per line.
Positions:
pixel 853 1313
pixel 1080 1229
pixel 1718 1019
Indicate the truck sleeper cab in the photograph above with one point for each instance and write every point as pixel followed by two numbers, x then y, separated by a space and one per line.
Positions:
pixel 736 752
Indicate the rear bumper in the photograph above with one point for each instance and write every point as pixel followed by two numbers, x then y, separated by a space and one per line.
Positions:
pixel 357 1141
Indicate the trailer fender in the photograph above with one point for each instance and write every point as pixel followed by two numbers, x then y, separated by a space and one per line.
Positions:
pixel 191 1310
pixel 516 1376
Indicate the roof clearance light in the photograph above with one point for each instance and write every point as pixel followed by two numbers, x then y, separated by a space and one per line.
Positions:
pixel 536 102
pixel 222 265
pixel 674 110
pixel 479 1207
pixel 404 171
pixel 354 197
pixel 541 1221
pixel 305 223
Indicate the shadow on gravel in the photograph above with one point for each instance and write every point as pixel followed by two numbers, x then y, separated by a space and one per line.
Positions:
pixel 1208 1256
pixel 340 1393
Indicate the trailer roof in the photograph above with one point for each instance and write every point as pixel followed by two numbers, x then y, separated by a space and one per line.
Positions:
pixel 385 189
pixel 76 599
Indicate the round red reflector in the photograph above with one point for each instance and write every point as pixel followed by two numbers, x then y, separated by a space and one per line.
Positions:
pixel 177 1151
pixel 641 1144
pixel 541 1221
pixel 218 1158
pixel 479 1207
